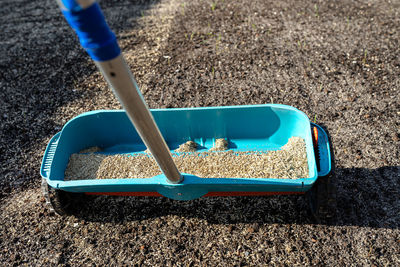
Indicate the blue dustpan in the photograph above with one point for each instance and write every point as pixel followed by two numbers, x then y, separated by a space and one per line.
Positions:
pixel 248 128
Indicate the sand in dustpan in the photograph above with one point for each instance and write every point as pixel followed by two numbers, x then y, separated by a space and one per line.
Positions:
pixel 288 163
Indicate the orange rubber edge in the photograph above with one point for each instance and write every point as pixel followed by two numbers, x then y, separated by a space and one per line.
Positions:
pixel 209 194
pixel 315 135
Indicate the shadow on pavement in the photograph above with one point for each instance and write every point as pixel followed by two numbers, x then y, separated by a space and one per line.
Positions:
pixel 365 197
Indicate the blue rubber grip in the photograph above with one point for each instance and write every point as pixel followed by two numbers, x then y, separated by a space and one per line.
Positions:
pixel 92 30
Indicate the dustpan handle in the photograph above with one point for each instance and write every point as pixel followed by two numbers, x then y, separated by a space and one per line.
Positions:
pixel 86 18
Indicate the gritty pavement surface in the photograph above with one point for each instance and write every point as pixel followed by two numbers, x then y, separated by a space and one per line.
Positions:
pixel 336 61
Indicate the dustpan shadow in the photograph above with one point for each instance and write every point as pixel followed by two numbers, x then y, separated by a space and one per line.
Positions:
pixel 365 197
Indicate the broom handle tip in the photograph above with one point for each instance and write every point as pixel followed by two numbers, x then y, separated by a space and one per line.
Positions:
pixel 87 20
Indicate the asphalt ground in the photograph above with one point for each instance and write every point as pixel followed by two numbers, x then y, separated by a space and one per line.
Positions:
pixel 336 61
